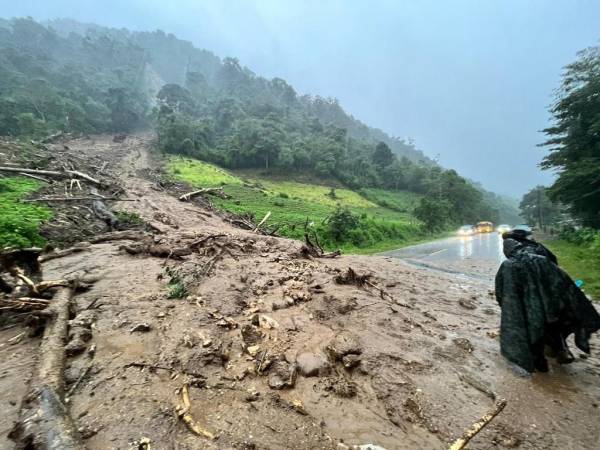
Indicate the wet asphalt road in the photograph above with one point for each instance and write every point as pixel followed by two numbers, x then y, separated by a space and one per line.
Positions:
pixel 478 256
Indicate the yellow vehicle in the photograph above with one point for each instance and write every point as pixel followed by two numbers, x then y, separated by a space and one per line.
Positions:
pixel 485 227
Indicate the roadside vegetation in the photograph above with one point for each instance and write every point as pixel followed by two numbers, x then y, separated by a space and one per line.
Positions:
pixel 19 222
pixel 578 253
pixel 341 218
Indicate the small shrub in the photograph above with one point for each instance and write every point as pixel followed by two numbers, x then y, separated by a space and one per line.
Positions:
pixel 19 222
pixel 128 218
pixel 284 195
pixel 176 285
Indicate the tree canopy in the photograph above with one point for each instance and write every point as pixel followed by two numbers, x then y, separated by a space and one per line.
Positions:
pixel 574 139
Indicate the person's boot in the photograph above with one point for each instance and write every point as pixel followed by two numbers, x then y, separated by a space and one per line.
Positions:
pixel 565 356
pixel 582 340
pixel 541 364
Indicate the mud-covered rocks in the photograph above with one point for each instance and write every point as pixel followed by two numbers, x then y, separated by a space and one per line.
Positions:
pixel 467 303
pixel 351 361
pixel 282 375
pixel 75 347
pixel 251 335
pixel 345 348
pixel 341 387
pixel 463 344
pixel 312 364
pixel 140 328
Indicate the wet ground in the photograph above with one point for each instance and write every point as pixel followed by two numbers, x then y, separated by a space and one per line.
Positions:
pixel 419 365
pixel 476 256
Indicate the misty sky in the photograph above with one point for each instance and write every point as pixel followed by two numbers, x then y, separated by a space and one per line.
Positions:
pixel 468 80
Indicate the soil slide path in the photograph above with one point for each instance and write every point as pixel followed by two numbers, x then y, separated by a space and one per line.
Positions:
pixel 269 350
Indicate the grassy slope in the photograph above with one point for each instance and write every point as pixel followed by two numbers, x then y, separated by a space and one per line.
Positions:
pixel 19 222
pixel 292 203
pixel 580 262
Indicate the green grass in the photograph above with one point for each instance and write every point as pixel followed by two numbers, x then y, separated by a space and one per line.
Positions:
pixel 292 203
pixel 580 262
pixel 401 201
pixel 19 222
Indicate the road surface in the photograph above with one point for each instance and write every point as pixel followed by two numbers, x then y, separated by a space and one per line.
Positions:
pixel 476 256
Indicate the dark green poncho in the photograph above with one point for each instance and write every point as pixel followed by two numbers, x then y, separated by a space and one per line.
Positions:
pixel 536 296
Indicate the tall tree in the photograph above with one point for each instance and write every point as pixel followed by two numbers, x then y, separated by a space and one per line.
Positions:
pixel 574 140
pixel 537 208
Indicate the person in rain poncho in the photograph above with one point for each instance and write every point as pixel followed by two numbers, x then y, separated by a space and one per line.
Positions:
pixel 541 306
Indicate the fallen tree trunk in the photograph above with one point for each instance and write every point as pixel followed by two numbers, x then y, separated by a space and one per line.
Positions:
pixel 212 191
pixel 120 235
pixel 35 177
pixel 52 173
pixel 76 199
pixel 68 251
pixel 45 422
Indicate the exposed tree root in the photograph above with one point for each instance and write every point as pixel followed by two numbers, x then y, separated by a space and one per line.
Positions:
pixel 478 426
pixel 183 412
pixel 314 250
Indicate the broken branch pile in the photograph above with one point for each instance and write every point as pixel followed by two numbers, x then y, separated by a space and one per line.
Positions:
pixel 21 287
pixel 314 250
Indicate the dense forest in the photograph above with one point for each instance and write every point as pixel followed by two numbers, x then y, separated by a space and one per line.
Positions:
pixel 81 78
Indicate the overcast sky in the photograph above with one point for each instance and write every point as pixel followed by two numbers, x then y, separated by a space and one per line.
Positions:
pixel 469 80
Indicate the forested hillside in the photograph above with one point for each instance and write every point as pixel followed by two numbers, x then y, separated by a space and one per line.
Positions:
pixel 89 79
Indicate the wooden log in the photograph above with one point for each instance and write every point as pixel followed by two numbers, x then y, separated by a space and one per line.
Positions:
pixel 212 191
pixel 52 173
pixel 120 235
pixel 262 222
pixel 35 177
pixel 85 177
pixel 45 421
pixel 76 199
pixel 478 426
pixel 66 252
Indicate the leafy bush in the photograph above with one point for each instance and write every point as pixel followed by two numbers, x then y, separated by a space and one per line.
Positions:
pixel 581 236
pixel 433 213
pixel 341 222
pixel 19 222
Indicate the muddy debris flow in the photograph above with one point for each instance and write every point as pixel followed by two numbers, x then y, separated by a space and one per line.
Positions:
pixel 193 329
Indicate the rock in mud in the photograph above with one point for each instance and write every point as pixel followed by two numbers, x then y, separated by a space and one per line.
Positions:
pixel 464 344
pixel 75 347
pixel 342 345
pixel 341 387
pixel 347 306
pixel 282 375
pixel 140 327
pixel 282 304
pixel 467 303
pixel 251 335
pixel 84 319
pixel 351 361
pixel 312 365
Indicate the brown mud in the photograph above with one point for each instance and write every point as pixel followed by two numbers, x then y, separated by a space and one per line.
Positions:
pixel 278 355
